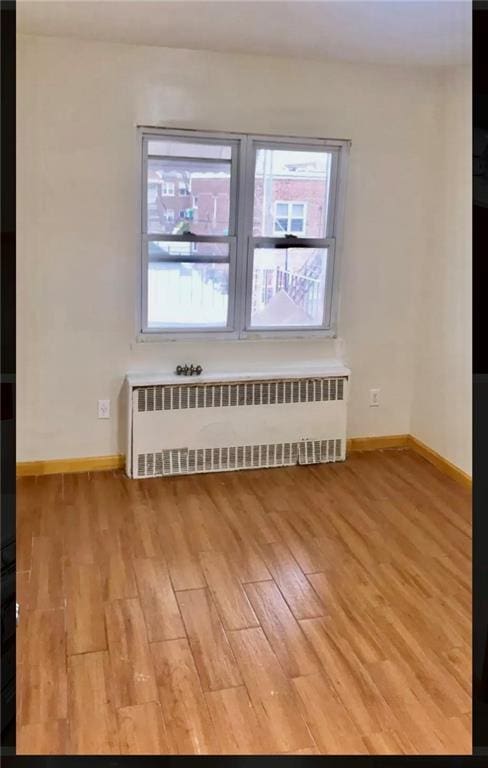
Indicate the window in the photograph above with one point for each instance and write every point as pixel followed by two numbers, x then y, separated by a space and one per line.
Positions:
pixel 257 255
pixel 289 217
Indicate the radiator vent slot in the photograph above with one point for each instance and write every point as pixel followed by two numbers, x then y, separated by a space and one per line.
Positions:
pixel 234 395
pixel 183 461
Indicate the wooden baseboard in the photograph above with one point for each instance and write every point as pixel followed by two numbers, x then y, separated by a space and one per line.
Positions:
pixel 377 443
pixel 96 463
pixel 440 462
pixel 383 442
pixel 411 442
pixel 62 466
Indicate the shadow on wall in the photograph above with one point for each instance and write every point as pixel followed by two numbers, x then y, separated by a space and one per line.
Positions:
pixel 122 419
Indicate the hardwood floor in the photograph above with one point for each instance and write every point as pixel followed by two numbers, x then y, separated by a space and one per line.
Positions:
pixel 319 609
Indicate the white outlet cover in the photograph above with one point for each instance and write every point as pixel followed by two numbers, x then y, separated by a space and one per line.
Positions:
pixel 374 398
pixel 104 409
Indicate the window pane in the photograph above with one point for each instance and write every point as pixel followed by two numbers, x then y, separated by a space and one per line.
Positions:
pixel 174 148
pixel 296 177
pixel 282 209
pixel 183 295
pixel 296 225
pixel 209 182
pixel 159 250
pixel 288 287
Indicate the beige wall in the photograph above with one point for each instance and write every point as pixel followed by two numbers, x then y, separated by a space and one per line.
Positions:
pixel 78 106
pixel 441 407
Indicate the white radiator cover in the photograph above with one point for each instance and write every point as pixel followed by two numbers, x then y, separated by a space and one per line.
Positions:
pixel 215 423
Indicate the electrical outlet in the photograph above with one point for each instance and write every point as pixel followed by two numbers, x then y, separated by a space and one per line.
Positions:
pixel 104 409
pixel 374 398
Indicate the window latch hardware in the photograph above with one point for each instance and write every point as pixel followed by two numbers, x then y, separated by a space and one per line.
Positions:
pixel 285 243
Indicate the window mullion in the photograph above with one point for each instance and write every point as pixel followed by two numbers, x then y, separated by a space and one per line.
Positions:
pixel 244 233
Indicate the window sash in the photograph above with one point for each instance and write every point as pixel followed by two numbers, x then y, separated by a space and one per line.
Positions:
pixel 334 148
pixel 280 243
pixel 191 258
pixel 234 144
pixel 303 145
pixel 241 240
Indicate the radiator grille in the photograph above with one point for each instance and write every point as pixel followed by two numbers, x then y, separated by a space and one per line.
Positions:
pixel 319 451
pixel 184 461
pixel 245 393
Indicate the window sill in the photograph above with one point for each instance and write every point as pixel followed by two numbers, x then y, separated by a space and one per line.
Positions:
pixel 168 337
pixel 269 335
pixel 249 336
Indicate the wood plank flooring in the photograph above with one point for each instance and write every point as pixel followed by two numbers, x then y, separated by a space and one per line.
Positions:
pixel 305 610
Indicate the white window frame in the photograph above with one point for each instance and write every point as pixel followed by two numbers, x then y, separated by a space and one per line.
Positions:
pixel 241 238
pixel 168 189
pixel 289 216
pixel 145 333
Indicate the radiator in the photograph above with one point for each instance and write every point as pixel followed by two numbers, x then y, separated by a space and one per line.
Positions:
pixel 186 427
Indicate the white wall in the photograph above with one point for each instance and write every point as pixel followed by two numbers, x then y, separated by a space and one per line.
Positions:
pixel 441 407
pixel 78 105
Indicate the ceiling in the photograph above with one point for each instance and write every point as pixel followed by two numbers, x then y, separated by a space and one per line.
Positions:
pixel 377 31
